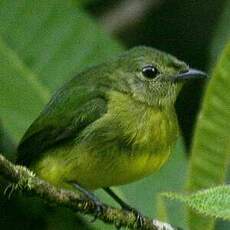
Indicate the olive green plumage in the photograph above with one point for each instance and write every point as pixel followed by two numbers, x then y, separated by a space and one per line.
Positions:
pixel 111 124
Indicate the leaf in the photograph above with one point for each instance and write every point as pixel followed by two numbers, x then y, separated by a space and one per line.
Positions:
pixel 222 33
pixel 43 44
pixel 210 151
pixel 7 147
pixel 214 202
pixel 85 2
pixel 162 213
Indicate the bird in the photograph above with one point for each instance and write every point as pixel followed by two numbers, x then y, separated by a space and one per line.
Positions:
pixel 112 124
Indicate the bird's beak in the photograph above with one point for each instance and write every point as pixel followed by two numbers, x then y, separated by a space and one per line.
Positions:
pixel 190 74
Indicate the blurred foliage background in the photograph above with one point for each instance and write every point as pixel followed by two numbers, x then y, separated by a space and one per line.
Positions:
pixel 45 43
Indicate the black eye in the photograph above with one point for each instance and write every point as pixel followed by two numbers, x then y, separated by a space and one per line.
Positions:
pixel 149 71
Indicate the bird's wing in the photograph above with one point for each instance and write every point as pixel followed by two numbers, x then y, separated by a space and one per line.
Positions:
pixel 71 109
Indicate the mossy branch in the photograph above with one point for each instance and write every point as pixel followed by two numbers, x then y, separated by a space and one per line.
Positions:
pixel 24 180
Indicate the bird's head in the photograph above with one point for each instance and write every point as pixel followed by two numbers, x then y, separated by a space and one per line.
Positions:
pixel 151 76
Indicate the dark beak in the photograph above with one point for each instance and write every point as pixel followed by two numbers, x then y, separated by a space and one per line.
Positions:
pixel 190 74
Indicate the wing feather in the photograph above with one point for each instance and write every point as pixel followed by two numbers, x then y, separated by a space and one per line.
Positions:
pixel 70 110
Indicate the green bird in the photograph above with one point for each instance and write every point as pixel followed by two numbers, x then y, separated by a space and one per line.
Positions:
pixel 112 124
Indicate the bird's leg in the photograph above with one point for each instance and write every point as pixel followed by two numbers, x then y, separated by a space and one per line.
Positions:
pixel 125 206
pixel 90 196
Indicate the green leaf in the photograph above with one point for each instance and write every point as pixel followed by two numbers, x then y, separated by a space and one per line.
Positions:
pixel 214 202
pixel 7 147
pixel 43 44
pixel 222 33
pixel 162 213
pixel 85 2
pixel 210 151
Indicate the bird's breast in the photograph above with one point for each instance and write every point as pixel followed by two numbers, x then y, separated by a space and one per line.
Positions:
pixel 148 135
pixel 145 128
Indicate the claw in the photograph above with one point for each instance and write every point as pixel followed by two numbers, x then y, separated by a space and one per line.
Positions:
pixel 138 215
pixel 99 210
pixel 139 218
pixel 99 206
pixel 125 206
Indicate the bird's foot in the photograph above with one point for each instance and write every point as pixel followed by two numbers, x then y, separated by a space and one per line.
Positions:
pixel 98 205
pixel 125 206
pixel 138 215
pixel 99 209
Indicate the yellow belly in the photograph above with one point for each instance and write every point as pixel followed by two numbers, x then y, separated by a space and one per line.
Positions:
pixel 95 170
pixel 108 172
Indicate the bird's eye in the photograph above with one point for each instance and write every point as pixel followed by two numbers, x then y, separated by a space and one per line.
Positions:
pixel 149 71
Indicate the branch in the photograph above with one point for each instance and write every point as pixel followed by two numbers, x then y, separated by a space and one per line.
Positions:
pixel 127 13
pixel 25 180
